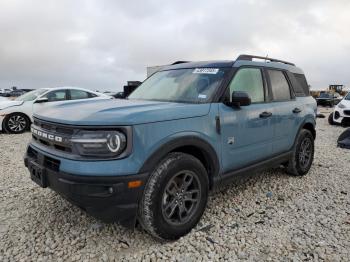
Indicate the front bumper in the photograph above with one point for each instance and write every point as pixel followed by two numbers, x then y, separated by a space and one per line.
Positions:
pixel 341 116
pixel 106 198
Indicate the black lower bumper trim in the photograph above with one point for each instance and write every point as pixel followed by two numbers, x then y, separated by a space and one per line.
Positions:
pixel 106 198
pixel 345 121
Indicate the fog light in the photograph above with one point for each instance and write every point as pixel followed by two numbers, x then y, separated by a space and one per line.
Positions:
pixel 336 115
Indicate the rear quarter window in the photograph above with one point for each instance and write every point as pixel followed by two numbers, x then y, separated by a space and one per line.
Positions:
pixel 300 85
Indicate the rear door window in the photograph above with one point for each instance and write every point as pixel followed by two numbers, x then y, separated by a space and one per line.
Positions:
pixel 279 85
pixel 79 94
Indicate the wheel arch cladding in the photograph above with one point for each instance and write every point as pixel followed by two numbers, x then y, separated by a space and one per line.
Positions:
pixel 309 126
pixel 191 145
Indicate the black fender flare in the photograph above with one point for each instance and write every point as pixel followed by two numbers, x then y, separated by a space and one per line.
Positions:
pixel 309 121
pixel 206 149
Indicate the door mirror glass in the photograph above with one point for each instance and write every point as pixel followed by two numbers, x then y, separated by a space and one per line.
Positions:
pixel 42 100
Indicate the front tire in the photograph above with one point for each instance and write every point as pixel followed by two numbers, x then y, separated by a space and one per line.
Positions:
pixel 175 197
pixel 330 119
pixel 16 123
pixel 302 157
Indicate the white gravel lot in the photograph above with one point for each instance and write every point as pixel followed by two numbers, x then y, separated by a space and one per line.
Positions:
pixel 271 217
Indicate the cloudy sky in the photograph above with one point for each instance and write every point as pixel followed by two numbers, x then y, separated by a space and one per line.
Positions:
pixel 100 44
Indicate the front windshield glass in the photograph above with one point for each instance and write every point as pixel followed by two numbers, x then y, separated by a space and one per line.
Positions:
pixel 347 96
pixel 32 95
pixel 325 95
pixel 195 85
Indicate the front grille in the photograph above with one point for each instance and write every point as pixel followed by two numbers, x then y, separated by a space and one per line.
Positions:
pixel 53 136
pixel 53 127
pixel 63 148
pixel 56 138
pixel 347 112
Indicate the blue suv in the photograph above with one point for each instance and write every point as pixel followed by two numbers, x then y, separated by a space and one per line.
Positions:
pixel 189 128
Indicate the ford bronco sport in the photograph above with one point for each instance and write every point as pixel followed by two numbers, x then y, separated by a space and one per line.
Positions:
pixel 187 129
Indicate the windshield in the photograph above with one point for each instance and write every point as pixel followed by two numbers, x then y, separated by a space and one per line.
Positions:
pixel 30 96
pixel 347 96
pixel 195 85
pixel 325 95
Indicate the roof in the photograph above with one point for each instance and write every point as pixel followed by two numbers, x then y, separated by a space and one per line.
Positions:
pixel 73 87
pixel 278 64
pixel 65 87
pixel 201 64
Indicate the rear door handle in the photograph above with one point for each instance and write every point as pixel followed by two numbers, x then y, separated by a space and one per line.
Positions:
pixel 265 114
pixel 296 110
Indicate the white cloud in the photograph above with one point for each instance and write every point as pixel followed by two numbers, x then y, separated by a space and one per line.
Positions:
pixel 102 44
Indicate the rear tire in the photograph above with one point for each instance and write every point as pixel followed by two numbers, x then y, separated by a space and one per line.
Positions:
pixel 302 157
pixel 330 119
pixel 175 197
pixel 16 123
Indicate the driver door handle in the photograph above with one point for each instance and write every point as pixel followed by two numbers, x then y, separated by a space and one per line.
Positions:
pixel 296 110
pixel 265 114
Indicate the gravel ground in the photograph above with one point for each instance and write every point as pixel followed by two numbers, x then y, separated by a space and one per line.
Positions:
pixel 271 217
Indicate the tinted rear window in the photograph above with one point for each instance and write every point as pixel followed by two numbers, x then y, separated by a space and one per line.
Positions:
pixel 300 85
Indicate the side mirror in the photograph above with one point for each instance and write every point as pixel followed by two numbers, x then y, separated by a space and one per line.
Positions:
pixel 42 100
pixel 239 98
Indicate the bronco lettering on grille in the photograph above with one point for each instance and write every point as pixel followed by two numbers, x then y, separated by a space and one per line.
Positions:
pixel 47 135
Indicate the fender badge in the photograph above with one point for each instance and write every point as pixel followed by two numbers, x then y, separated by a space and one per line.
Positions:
pixel 231 140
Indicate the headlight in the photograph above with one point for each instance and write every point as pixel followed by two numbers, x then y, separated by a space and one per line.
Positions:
pixel 340 105
pixel 99 143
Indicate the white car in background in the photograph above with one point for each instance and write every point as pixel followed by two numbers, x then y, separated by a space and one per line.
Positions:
pixel 341 114
pixel 17 115
pixel 3 99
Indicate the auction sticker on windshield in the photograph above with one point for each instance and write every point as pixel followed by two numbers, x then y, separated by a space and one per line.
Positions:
pixel 212 71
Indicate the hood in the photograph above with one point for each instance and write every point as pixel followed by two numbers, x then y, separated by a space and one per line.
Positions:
pixel 345 103
pixel 119 112
pixel 7 103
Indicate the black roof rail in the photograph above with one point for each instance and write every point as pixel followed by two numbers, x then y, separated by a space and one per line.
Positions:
pixel 250 58
pixel 180 62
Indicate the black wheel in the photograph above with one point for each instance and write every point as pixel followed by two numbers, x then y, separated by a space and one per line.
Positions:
pixel 16 123
pixel 330 119
pixel 302 157
pixel 175 197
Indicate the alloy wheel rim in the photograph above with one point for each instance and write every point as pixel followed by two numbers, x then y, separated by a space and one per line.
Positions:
pixel 305 152
pixel 16 123
pixel 181 198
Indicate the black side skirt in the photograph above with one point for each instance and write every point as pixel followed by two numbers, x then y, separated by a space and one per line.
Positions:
pixel 242 174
